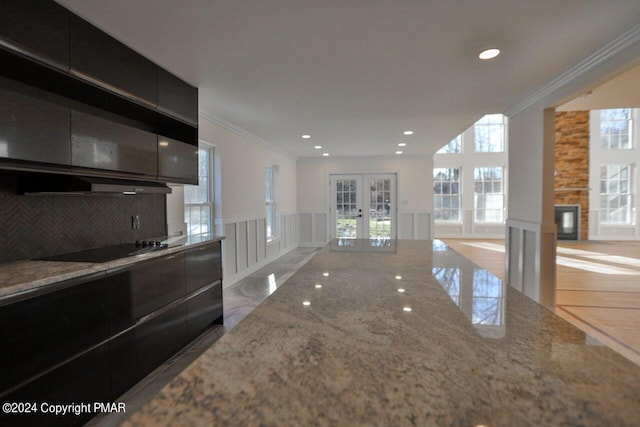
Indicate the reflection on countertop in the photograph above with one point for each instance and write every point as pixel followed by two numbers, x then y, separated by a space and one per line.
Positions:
pixel 420 336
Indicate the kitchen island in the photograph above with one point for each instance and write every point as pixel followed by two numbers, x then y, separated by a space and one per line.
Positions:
pixel 399 333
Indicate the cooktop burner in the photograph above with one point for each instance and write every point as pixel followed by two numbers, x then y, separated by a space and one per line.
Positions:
pixel 109 253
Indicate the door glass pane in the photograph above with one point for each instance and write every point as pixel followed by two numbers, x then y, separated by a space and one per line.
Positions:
pixel 379 208
pixel 346 210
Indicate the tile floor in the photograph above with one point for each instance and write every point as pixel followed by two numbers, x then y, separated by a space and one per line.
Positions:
pixel 239 299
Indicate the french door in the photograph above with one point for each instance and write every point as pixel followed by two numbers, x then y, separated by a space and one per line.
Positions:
pixel 363 206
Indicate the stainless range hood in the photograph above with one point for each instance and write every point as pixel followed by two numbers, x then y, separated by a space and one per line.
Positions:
pixel 46 184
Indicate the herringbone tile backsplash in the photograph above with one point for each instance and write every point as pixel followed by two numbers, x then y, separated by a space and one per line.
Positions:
pixel 37 226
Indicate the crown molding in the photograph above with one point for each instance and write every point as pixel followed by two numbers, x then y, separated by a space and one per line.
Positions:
pixel 599 57
pixel 219 121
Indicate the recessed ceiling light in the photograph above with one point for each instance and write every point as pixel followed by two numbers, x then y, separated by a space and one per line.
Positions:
pixel 408 132
pixel 402 144
pixel 398 152
pixel 489 53
pixel 318 147
pixel 306 136
pixel 325 154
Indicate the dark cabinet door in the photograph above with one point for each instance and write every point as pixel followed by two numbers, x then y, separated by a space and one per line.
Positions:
pixel 144 288
pixel 204 309
pixel 104 144
pixel 204 266
pixel 140 350
pixel 177 161
pixel 85 379
pixel 32 129
pixel 177 98
pixel 103 60
pixel 40 332
pixel 36 28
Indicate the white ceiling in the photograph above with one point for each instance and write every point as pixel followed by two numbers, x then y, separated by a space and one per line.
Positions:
pixel 355 73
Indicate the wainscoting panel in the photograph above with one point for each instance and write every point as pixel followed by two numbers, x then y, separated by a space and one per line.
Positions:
pixel 306 227
pixel 242 246
pixel 245 249
pixel 531 258
pixel 229 267
pixel 252 242
pixel 405 226
pixel 312 229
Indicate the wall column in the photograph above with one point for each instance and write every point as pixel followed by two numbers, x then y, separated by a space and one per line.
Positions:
pixel 531 231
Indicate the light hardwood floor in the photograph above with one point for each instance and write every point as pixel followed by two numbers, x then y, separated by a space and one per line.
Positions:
pixel 597 286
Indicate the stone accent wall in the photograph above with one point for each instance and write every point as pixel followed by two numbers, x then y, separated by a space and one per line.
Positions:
pixel 572 164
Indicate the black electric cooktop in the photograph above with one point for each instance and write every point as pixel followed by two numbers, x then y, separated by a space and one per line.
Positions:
pixel 108 253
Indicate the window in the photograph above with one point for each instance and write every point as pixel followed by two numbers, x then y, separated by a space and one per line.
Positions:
pixel 615 194
pixel 488 195
pixel 271 175
pixel 446 194
pixel 489 134
pixel 615 129
pixel 198 200
pixel 455 146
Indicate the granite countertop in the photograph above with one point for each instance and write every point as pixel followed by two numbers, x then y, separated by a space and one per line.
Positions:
pixel 406 334
pixel 28 275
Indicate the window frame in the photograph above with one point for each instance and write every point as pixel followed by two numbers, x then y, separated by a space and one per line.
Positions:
pixel 605 207
pixel 271 202
pixel 449 195
pixel 486 122
pixel 608 146
pixel 209 204
pixel 483 183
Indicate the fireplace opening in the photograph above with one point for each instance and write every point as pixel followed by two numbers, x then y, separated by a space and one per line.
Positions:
pixel 568 221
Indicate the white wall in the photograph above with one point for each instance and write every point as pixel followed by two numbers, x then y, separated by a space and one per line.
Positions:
pixel 415 193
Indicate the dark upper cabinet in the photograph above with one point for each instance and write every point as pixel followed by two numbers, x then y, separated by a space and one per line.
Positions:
pixel 103 60
pixel 103 144
pixel 36 28
pixel 177 161
pixel 32 129
pixel 177 98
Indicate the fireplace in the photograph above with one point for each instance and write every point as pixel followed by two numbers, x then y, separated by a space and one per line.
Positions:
pixel 567 218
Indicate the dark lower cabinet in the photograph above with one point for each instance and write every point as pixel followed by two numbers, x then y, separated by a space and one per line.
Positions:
pixel 204 309
pixel 40 332
pixel 85 379
pixel 137 352
pixel 203 265
pixel 91 339
pixel 144 288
